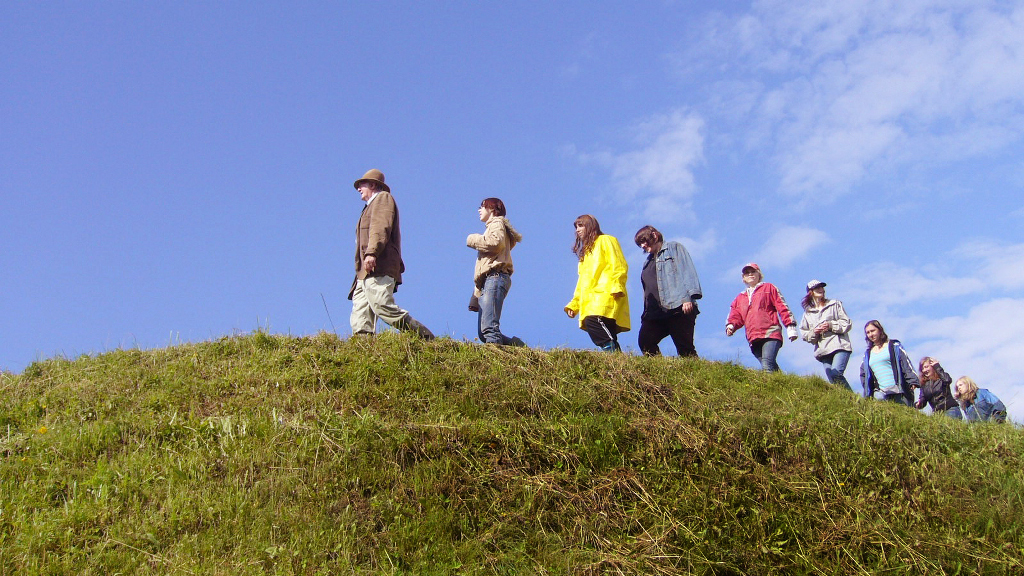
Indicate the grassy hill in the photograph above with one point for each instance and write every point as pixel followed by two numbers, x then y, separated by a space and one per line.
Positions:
pixel 269 454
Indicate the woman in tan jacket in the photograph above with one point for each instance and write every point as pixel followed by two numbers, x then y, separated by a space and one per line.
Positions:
pixel 493 273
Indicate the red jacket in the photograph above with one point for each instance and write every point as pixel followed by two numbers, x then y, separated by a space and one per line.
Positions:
pixel 760 314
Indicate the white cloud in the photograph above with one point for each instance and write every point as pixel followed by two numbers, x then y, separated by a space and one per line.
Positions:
pixel 999 265
pixel 880 286
pixel 699 248
pixel 853 88
pixel 658 176
pixel 788 245
pixel 975 267
pixel 780 251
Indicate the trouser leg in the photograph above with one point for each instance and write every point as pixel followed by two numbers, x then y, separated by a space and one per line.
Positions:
pixel 603 332
pixel 492 298
pixel 766 350
pixel 362 319
pixel 681 330
pixel 651 333
pixel 379 292
pixel 835 365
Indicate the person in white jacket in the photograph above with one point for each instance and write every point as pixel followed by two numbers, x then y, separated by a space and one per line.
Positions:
pixel 826 325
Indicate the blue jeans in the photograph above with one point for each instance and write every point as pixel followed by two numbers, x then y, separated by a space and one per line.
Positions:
pixel 766 350
pixel 954 412
pixel 835 365
pixel 492 296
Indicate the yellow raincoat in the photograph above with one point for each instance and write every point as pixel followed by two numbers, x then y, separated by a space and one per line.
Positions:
pixel 601 274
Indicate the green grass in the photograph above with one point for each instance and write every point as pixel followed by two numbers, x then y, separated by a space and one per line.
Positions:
pixel 268 454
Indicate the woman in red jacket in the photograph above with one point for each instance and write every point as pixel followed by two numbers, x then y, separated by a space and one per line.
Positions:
pixel 758 309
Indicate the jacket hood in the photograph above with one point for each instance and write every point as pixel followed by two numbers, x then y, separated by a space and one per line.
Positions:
pixel 514 236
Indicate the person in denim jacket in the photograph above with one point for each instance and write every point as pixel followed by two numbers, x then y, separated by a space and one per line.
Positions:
pixel 671 289
pixel 978 403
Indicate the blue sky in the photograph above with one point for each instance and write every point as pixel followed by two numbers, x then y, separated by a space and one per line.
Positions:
pixel 175 172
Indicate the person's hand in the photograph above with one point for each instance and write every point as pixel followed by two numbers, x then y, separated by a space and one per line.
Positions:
pixel 570 312
pixel 369 262
pixel 687 307
pixel 820 328
pixel 729 330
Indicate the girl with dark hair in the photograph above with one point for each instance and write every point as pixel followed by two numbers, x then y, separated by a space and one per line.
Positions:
pixel 671 290
pixel 492 275
pixel 826 325
pixel 935 389
pixel 600 300
pixel 886 367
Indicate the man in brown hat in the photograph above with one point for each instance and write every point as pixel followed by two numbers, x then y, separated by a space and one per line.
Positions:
pixel 379 263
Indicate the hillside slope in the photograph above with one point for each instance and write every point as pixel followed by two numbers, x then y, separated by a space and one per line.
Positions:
pixel 266 454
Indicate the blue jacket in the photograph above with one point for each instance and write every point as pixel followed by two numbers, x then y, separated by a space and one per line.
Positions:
pixel 986 407
pixel 902 371
pixel 677 278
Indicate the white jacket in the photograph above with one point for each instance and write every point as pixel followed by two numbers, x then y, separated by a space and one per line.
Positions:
pixel 837 337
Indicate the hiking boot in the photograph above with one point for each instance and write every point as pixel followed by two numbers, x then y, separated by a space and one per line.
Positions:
pixel 410 324
pixel 516 341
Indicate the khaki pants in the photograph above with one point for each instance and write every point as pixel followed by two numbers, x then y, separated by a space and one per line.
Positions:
pixel 374 297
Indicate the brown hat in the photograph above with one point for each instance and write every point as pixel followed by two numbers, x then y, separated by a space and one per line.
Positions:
pixel 373 175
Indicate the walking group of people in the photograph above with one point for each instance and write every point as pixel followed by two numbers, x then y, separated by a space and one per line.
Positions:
pixel 671 289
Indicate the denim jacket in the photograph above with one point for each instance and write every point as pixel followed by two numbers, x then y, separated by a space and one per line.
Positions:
pixel 677 278
pixel 986 407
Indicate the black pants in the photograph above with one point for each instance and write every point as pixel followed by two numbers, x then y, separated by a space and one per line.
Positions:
pixel 604 332
pixel 679 326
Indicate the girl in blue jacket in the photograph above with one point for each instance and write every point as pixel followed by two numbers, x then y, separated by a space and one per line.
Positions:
pixel 978 403
pixel 886 367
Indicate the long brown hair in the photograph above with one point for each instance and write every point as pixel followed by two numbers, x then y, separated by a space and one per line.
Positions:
pixel 591 230
pixel 935 366
pixel 808 302
pixel 881 331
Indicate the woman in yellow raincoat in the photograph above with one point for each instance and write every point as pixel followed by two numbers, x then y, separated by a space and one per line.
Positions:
pixel 600 301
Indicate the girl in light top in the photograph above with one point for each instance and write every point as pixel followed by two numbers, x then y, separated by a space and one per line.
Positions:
pixel 826 325
pixel 600 300
pixel 978 403
pixel 492 275
pixel 886 367
pixel 759 309
pixel 935 389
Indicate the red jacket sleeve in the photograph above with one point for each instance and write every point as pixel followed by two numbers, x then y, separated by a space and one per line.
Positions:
pixel 736 312
pixel 780 305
